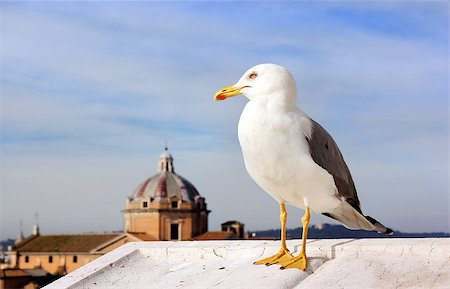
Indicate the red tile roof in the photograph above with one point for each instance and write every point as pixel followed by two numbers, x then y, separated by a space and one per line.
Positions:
pixel 13 273
pixel 223 235
pixel 65 243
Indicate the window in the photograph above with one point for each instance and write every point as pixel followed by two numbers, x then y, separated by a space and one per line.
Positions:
pixel 145 204
pixel 174 231
pixel 174 204
pixel 27 259
pixel 75 259
pixel 50 259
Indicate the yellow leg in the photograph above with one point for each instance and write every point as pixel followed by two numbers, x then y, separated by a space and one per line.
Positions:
pixel 300 262
pixel 283 254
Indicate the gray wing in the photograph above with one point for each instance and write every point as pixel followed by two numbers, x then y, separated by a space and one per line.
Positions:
pixel 326 154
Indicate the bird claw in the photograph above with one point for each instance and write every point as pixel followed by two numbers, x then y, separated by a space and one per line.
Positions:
pixel 298 262
pixel 282 256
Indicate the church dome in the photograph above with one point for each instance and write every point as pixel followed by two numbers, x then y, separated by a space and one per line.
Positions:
pixel 166 185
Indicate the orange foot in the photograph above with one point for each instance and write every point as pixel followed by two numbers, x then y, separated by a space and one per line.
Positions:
pixel 282 256
pixel 298 262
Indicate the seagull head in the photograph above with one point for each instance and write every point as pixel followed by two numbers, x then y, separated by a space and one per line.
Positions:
pixel 262 82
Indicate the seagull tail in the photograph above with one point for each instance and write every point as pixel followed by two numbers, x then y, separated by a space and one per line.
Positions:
pixel 354 219
pixel 380 228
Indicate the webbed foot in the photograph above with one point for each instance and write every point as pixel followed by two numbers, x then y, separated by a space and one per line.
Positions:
pixel 282 256
pixel 298 262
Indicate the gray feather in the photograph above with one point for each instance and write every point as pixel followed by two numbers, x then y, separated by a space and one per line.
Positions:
pixel 326 153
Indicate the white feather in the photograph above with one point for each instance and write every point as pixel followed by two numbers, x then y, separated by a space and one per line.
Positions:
pixel 272 132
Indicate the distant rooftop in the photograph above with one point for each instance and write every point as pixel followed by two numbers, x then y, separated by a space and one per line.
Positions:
pixel 64 243
pixel 219 235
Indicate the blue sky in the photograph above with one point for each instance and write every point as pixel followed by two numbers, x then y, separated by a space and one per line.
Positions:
pixel 90 91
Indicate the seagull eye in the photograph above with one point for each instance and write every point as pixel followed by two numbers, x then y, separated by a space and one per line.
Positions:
pixel 253 75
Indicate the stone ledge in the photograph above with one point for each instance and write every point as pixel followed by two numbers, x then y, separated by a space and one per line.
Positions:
pixel 334 263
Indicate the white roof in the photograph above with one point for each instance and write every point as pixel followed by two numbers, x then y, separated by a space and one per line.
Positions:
pixel 338 263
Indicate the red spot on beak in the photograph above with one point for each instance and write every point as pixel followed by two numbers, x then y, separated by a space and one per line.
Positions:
pixel 221 97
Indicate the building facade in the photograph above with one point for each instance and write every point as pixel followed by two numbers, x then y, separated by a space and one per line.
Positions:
pixel 166 206
pixel 64 253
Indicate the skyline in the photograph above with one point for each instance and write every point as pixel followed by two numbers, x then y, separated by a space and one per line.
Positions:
pixel 91 91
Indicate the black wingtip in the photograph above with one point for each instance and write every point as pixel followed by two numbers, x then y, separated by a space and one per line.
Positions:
pixel 380 228
pixel 389 232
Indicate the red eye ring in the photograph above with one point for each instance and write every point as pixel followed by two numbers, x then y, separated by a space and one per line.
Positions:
pixel 253 75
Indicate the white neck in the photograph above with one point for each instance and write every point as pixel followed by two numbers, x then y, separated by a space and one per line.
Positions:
pixel 280 101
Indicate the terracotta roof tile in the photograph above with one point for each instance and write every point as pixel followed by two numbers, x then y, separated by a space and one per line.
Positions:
pixel 222 235
pixel 65 243
pixel 11 273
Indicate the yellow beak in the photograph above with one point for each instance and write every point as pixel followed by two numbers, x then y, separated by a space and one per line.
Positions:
pixel 227 92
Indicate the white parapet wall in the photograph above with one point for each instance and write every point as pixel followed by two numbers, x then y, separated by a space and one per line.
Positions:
pixel 335 263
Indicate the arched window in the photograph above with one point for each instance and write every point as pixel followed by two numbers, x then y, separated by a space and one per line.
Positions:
pixel 27 259
pixel 75 259
pixel 50 259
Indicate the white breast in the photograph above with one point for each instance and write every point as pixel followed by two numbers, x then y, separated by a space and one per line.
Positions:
pixel 277 157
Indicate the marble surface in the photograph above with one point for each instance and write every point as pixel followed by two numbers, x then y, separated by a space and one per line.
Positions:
pixel 334 263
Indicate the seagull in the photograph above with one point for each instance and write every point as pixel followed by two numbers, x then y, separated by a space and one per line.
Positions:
pixel 292 158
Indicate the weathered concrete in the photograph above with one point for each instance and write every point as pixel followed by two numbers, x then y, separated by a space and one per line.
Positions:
pixel 341 263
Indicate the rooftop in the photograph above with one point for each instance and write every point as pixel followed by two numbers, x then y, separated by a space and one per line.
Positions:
pixel 216 235
pixel 64 243
pixel 13 273
pixel 166 184
pixel 333 263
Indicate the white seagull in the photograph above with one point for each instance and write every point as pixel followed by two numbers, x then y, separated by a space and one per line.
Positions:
pixel 292 158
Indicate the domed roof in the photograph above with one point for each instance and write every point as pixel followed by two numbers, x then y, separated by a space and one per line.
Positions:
pixel 166 184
